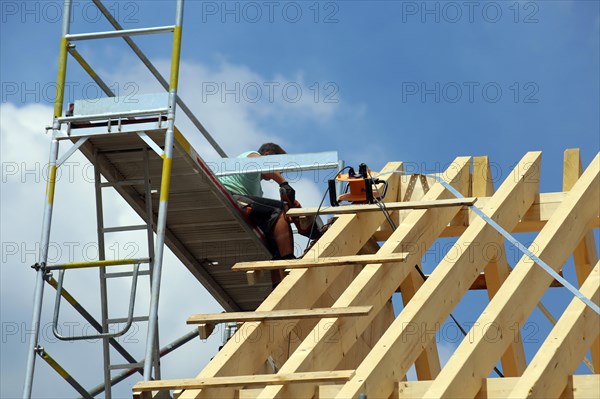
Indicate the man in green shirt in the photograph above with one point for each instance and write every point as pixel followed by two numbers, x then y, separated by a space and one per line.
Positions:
pixel 267 214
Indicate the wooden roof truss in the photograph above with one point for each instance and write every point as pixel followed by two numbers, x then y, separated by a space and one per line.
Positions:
pixel 361 347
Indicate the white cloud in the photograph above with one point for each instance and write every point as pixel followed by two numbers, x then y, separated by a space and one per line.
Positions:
pixel 236 104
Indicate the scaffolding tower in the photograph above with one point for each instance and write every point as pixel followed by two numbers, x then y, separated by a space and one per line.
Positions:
pixel 135 148
pixel 64 129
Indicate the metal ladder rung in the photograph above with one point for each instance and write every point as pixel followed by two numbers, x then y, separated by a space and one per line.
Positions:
pixel 123 183
pixel 125 228
pixel 124 319
pixel 120 32
pixel 126 274
pixel 126 366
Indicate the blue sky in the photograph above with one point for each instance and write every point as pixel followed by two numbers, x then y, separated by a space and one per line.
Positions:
pixel 421 82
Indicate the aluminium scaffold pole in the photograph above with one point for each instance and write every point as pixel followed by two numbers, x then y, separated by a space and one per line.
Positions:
pixel 164 194
pixel 41 272
pixel 47 220
pixel 102 275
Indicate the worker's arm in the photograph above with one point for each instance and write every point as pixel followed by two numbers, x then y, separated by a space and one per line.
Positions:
pixel 288 194
pixel 276 176
pixel 285 188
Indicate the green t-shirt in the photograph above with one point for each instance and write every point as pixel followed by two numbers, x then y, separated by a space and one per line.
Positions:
pixel 243 184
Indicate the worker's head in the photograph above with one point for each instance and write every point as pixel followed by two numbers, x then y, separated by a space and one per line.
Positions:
pixel 270 149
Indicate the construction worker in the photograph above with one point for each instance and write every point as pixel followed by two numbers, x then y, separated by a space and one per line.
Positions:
pixel 267 214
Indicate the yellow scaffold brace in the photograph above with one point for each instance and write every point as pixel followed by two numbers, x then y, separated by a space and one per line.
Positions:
pixel 61 371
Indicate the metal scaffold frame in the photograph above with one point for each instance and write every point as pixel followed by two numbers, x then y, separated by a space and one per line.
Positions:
pixel 214 220
pixel 43 270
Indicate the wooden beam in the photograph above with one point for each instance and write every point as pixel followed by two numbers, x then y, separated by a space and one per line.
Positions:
pixel 392 206
pixel 374 285
pixel 497 270
pixel 371 335
pixel 327 391
pixel 585 254
pixel 277 315
pixel 482 181
pixel 253 277
pixel 401 344
pixel 481 284
pixel 255 274
pixel 475 358
pixel 534 219
pixel 353 260
pixel 205 329
pixel 427 364
pixel 207 322
pixel 415 186
pixel 581 387
pixel 301 288
pixel 243 380
pixel 357 352
pixel 564 348
pixel 249 393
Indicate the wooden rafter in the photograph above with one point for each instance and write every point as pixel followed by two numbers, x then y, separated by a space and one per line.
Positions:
pixel 585 254
pixel 475 358
pixel 399 347
pixel 427 364
pixel 497 270
pixel 207 322
pixel 375 284
pixel 241 381
pixel 548 373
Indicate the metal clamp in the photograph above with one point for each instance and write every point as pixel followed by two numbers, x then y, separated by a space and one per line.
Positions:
pixel 38 266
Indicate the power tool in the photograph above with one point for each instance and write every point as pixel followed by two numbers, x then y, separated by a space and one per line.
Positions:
pixel 360 188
